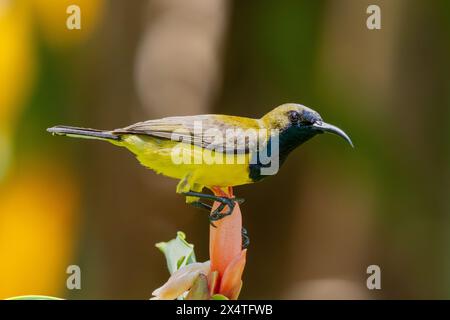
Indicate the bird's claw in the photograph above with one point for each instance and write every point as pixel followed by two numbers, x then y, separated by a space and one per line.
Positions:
pixel 217 214
pixel 245 239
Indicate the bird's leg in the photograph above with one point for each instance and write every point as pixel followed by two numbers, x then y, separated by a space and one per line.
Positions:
pixel 245 239
pixel 217 214
pixel 202 205
pixel 207 207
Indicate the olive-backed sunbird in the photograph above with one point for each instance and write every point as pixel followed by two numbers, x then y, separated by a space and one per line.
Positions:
pixel 182 147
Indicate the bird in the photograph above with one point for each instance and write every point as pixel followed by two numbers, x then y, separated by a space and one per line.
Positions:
pixel 214 151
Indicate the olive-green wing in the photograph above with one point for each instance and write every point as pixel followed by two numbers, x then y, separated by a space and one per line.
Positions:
pixel 221 133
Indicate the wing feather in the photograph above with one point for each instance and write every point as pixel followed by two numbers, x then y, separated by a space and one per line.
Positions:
pixel 227 134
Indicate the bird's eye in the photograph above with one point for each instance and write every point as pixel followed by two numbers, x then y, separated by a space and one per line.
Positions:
pixel 294 116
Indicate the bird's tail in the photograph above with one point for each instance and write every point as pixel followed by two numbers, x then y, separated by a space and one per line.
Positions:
pixel 85 133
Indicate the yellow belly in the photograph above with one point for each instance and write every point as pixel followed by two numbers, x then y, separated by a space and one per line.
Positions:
pixel 182 161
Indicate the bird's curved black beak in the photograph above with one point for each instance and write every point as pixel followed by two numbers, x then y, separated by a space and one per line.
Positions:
pixel 325 127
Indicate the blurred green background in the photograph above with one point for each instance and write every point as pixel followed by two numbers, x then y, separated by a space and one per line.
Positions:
pixel 315 227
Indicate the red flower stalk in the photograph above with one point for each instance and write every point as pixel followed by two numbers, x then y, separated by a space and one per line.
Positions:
pixel 222 274
pixel 225 249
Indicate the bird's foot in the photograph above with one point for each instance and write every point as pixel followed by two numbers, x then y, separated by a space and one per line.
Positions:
pixel 245 239
pixel 218 213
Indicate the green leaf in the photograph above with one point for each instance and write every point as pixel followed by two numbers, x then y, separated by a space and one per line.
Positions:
pixel 219 297
pixel 34 297
pixel 178 252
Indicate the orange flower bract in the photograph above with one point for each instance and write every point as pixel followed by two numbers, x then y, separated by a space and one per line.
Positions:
pixel 225 249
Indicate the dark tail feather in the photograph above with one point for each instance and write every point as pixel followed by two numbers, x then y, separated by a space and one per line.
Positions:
pixel 83 133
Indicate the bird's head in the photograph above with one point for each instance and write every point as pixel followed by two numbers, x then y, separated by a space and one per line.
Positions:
pixel 297 124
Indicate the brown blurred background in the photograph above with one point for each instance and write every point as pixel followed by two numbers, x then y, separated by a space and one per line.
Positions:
pixel 315 227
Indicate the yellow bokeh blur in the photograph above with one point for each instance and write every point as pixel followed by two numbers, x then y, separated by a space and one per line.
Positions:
pixel 17 60
pixel 17 52
pixel 39 196
pixel 38 220
pixel 52 17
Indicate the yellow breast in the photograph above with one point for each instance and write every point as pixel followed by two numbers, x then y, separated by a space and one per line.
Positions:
pixel 180 160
